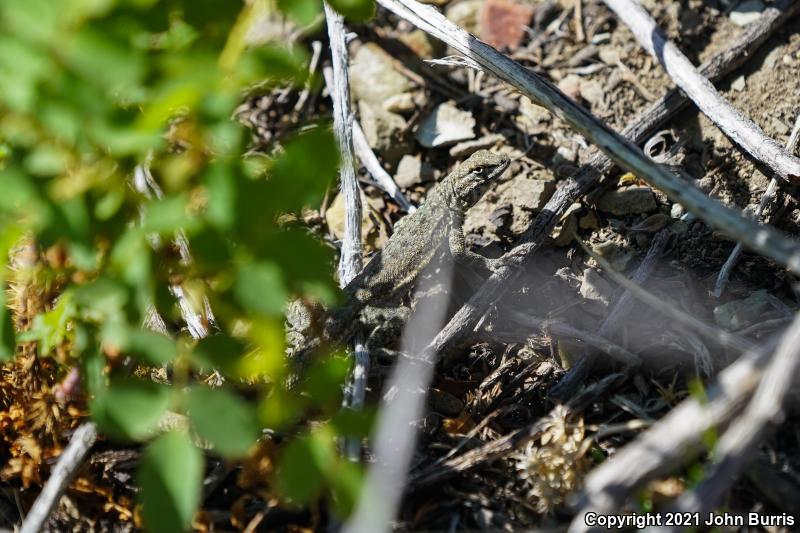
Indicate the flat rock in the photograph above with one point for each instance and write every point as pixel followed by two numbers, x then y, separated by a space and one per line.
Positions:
pixel 467 148
pixel 740 313
pixel 446 125
pixel 746 12
pixel 627 201
pixel 412 171
pixel 373 77
pixel 595 287
pixel 385 132
pixel 512 207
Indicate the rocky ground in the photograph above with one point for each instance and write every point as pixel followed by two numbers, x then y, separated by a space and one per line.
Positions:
pixel 421 119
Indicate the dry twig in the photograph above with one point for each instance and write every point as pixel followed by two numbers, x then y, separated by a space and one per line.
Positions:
pixel 740 129
pixel 672 442
pixel 350 260
pixel 769 195
pixel 68 463
pixel 736 446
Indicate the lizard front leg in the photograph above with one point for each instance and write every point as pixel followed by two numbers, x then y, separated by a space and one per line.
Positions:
pixel 466 257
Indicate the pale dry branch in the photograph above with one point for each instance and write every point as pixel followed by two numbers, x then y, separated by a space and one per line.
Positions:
pixel 350 260
pixel 769 195
pixel 740 129
pixel 737 445
pixel 64 470
pixel 673 441
pixel 379 175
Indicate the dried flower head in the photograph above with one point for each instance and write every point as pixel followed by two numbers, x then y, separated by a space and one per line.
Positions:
pixel 554 467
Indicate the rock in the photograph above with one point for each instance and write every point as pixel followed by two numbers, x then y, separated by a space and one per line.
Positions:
pixel 467 148
pixel 446 125
pixel 531 115
pixel 627 201
pixel 609 55
pixel 740 313
pixel 503 22
pixel 595 287
pixel 738 84
pixel 512 206
pixel 676 211
pixel 385 132
pixel 593 92
pixel 400 103
pixel 747 12
pixel 373 235
pixel 411 171
pixel 422 44
pixel 373 78
pixel 571 86
pixel 618 255
pixel 465 14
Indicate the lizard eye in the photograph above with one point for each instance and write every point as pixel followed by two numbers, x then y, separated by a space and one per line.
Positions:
pixel 478 170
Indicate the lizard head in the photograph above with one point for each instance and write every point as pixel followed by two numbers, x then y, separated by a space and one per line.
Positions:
pixel 475 174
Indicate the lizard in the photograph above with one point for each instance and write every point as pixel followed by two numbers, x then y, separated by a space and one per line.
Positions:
pixel 419 238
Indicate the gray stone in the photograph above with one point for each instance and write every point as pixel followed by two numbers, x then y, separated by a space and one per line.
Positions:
pixel 627 201
pixel 746 12
pixel 446 125
pixel 740 313
pixel 676 211
pixel 595 287
pixel 411 171
pixel 467 148
pixel 385 131
pixel 373 78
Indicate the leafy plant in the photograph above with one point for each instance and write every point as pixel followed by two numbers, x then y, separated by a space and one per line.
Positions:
pixel 94 93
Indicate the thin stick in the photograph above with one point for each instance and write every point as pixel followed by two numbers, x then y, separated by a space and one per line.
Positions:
pixel 350 260
pixel 740 129
pixel 196 321
pixel 68 463
pixel 672 442
pixel 379 175
pixel 464 321
pixel 769 195
pixel 736 446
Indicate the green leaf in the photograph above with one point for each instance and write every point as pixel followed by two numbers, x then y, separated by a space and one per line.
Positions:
pixel 302 467
pixel 171 477
pixel 223 419
pixel 152 347
pixel 50 329
pixel 218 351
pixel 259 288
pixel 168 215
pixel 301 11
pixel 131 409
pixel 355 10
pixel 8 341
pixel 102 298
pixel 301 173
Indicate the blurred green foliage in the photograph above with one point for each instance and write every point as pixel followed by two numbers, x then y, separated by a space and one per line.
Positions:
pixel 89 91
